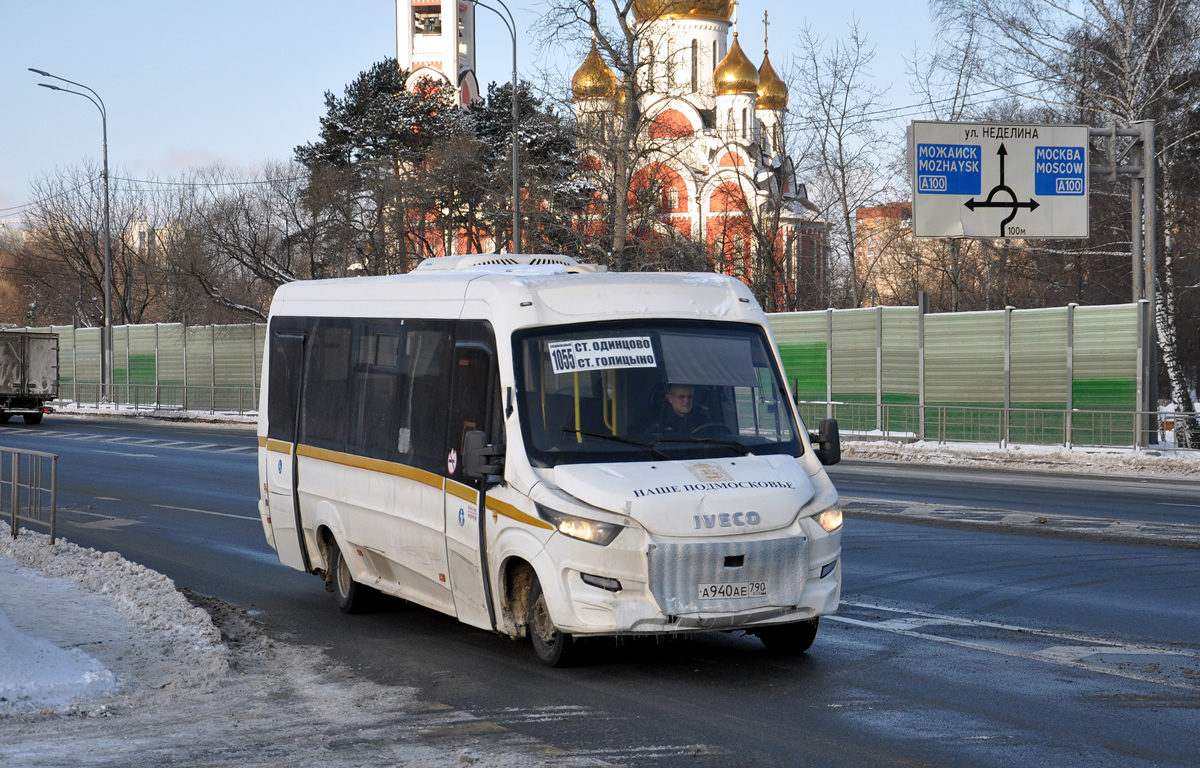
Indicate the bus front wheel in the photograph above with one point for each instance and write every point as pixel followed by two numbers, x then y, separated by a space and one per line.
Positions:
pixel 789 639
pixel 553 647
pixel 352 597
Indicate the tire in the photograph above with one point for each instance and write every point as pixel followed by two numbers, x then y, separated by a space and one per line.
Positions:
pixel 351 596
pixel 789 639
pixel 553 648
pixel 32 418
pixel 4 417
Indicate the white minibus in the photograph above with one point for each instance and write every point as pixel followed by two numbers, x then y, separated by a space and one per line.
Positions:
pixel 547 450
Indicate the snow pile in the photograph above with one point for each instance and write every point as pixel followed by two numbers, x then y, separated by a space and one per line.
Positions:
pixel 1111 461
pixel 56 596
pixel 104 662
pixel 36 673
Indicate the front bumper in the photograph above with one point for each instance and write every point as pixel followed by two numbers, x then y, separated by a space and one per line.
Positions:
pixel 660 580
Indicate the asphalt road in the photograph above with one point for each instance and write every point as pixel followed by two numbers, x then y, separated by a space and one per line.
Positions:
pixel 954 646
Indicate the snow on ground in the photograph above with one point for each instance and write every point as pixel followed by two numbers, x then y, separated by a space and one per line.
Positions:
pixel 104 662
pixel 1041 458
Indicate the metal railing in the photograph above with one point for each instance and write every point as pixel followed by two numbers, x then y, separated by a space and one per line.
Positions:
pixel 976 424
pixel 29 488
pixel 163 397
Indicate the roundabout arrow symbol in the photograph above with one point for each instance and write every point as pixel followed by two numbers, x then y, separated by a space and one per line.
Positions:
pixel 1014 204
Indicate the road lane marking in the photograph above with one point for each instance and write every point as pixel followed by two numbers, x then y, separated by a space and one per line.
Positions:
pixel 1174 504
pixel 204 512
pixel 130 455
pixel 1077 652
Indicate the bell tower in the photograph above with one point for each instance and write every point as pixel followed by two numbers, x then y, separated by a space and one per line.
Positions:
pixel 436 38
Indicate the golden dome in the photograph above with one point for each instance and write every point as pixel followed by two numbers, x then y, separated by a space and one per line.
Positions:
pixel 735 73
pixel 772 92
pixel 594 80
pixel 649 10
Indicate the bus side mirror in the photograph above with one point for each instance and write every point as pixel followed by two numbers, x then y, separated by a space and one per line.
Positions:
pixel 827 442
pixel 478 456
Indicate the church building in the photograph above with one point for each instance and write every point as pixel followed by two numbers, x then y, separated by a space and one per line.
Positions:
pixel 712 152
pixel 711 165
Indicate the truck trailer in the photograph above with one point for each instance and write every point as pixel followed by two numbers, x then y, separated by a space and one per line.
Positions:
pixel 28 375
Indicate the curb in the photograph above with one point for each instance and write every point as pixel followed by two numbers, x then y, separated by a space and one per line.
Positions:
pixel 1180 535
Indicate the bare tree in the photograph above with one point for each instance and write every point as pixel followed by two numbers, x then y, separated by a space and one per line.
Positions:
pixel 848 150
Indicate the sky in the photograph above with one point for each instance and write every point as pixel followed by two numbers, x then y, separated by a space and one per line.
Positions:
pixel 189 84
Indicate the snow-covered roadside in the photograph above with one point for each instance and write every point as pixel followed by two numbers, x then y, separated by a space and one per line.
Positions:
pixel 1108 461
pixel 105 662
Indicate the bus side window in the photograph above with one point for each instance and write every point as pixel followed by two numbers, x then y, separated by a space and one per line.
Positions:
pixel 469 402
pixel 283 384
pixel 421 431
pixel 375 385
pixel 325 410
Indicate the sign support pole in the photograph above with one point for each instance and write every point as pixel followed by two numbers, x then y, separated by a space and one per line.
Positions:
pixel 1144 247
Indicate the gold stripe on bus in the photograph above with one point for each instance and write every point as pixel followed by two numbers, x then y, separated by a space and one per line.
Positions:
pixel 374 465
pixel 509 511
pixel 262 441
pixel 275 445
pixel 460 491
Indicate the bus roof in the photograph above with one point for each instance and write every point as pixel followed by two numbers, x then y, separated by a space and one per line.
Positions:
pixel 522 295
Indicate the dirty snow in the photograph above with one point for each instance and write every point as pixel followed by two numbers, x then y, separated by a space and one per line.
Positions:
pixel 1038 458
pixel 105 662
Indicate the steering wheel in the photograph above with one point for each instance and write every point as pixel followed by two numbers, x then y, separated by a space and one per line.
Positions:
pixel 713 427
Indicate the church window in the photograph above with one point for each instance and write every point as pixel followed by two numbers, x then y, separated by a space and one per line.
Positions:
pixel 671 63
pixel 714 59
pixel 743 123
pixel 695 66
pixel 672 198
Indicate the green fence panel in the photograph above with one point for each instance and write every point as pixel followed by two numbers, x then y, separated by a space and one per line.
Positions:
pixel 901 372
pixel 854 367
pixel 801 337
pixel 1038 374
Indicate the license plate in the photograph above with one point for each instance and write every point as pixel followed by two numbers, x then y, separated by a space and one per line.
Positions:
pixel 733 590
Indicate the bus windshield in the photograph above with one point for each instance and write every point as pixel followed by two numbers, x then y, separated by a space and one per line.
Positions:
pixel 636 391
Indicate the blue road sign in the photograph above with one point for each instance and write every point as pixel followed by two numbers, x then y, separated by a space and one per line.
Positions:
pixel 949 169
pixel 1059 171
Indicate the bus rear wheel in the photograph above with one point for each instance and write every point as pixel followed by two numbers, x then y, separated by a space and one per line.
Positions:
pixel 789 639
pixel 553 647
pixel 352 597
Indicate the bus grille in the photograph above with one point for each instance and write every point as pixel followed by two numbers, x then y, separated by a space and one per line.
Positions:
pixel 677 571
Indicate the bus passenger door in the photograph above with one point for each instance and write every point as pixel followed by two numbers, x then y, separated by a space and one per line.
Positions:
pixel 472 400
pixel 283 407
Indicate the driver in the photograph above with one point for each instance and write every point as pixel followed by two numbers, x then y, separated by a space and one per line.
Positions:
pixel 680 416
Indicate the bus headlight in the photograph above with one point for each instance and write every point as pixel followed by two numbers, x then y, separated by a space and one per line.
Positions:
pixel 591 531
pixel 830 519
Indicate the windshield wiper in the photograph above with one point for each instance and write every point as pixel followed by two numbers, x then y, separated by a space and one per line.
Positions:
pixel 618 439
pixel 743 449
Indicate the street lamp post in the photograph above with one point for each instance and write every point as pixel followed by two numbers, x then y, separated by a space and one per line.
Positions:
pixel 516 163
pixel 106 354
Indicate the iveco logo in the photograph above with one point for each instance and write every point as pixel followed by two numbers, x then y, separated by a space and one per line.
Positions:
pixel 726 520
